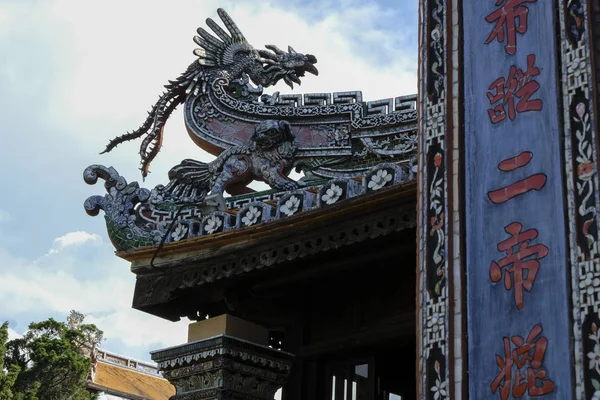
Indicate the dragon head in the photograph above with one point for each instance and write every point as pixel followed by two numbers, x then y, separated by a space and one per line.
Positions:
pixel 230 51
pixel 290 66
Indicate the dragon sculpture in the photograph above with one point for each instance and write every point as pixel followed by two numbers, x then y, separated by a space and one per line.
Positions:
pixel 334 137
pixel 228 56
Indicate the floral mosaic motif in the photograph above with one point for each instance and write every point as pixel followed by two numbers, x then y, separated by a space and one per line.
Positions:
pixel 380 179
pixel 585 170
pixel 137 217
pixel 437 237
pixel 336 135
pixel 291 206
pixel 212 224
pixel 440 391
pixel 591 348
pixel 252 216
pixel 387 174
pixel 437 382
pixel 179 232
pixel 582 194
pixel 433 298
pixel 594 356
pixel 332 194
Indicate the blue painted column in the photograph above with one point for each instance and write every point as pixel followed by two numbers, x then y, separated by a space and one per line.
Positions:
pixel 516 258
pixel 509 267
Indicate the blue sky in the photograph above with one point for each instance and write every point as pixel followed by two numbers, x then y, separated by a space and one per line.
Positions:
pixel 74 74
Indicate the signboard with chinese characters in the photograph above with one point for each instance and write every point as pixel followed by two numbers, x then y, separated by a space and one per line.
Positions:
pixel 518 299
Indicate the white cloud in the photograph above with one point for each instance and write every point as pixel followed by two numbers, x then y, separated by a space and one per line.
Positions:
pixel 73 239
pixel 47 284
pixel 135 328
pixel 52 286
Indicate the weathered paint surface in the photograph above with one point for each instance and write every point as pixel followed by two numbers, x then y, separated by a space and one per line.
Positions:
pixel 518 297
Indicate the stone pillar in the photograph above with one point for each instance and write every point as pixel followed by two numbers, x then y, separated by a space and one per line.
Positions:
pixel 216 365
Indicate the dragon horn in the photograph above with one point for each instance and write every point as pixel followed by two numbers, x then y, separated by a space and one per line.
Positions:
pixel 291 50
pixel 266 61
pixel 275 49
pixel 267 54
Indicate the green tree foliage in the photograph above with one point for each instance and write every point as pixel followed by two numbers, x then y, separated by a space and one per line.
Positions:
pixel 8 376
pixel 48 362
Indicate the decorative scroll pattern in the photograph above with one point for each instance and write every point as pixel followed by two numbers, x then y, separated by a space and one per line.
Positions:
pixel 582 190
pixel 378 113
pixel 433 205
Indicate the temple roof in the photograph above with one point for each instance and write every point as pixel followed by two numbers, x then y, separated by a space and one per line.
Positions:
pixel 130 379
pixel 201 247
pixel 199 267
pixel 359 160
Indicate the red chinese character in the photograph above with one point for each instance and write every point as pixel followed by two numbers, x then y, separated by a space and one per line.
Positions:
pixel 518 85
pixel 523 271
pixel 533 182
pixel 510 19
pixel 528 357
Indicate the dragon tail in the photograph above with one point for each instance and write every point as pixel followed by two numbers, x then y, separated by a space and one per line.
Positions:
pixel 152 142
pixel 152 127
pixel 133 134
